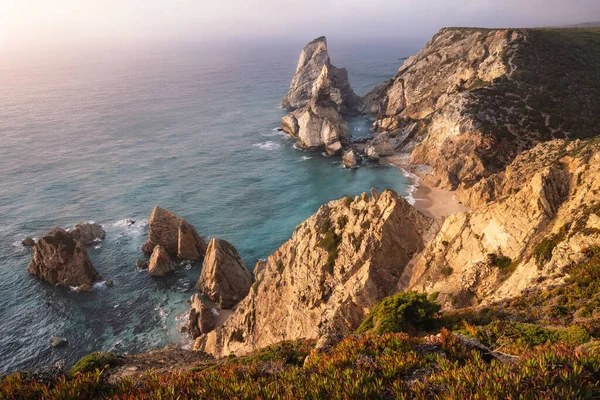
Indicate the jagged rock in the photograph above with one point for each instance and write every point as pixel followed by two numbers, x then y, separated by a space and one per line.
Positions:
pixel 87 232
pixel 28 242
pixel 160 263
pixel 372 154
pixel 224 278
pixel 201 318
pixel 381 145
pixel 141 264
pixel 350 159
pixel 60 259
pixel 313 59
pixel 57 341
pixel 84 287
pixel 321 126
pixel 175 235
pixel 321 283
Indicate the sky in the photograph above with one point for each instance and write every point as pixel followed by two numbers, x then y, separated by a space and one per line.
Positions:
pixel 33 24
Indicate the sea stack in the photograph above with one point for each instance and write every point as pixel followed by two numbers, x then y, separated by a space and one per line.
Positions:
pixel 224 279
pixel 176 236
pixel 87 232
pixel 319 95
pixel 60 259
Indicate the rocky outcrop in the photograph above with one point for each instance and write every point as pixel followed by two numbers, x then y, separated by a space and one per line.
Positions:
pixel 540 217
pixel 87 232
pixel 160 263
pixel 224 278
pixel 201 319
pixel 60 259
pixel 473 99
pixel 319 95
pixel 314 58
pixel 350 159
pixel 175 235
pixel 28 242
pixel 338 264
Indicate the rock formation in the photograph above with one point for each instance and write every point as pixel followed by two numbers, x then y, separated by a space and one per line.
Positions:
pixel 472 99
pixel 224 278
pixel 160 263
pixel 87 232
pixel 314 59
pixel 350 159
pixel 318 97
pixel 175 235
pixel 28 242
pixel 60 259
pixel 201 319
pixel 338 264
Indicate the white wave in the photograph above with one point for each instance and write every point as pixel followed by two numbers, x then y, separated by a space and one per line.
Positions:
pixel 411 188
pixel 304 158
pixel 188 267
pixel 130 226
pixel 268 145
pixel 99 285
pixel 97 247
pixel 357 129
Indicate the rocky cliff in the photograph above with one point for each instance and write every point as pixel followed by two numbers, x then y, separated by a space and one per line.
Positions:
pixel 322 282
pixel 473 99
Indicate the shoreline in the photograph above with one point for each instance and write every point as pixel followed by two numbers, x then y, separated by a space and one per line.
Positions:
pixel 432 201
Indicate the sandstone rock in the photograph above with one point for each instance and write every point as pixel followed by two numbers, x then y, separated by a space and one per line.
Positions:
pixel 321 283
pixel 313 59
pixel 28 242
pixel 224 278
pixel 372 154
pixel 175 235
pixel 87 232
pixel 60 259
pixel 57 341
pixel 381 145
pixel 201 318
pixel 350 159
pixel 160 263
pixel 289 124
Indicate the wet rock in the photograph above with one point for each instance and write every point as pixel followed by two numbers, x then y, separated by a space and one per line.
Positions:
pixel 350 159
pixel 86 232
pixel 141 264
pixel 60 259
pixel 109 283
pixel 86 287
pixel 160 262
pixel 57 341
pixel 28 242
pixel 224 279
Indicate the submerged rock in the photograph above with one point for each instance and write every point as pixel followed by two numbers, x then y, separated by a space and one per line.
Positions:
pixel 201 318
pixel 109 283
pixel 84 287
pixel 160 263
pixel 224 278
pixel 141 264
pixel 28 242
pixel 60 259
pixel 87 232
pixel 175 235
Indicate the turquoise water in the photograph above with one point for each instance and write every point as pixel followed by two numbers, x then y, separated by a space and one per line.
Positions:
pixel 107 136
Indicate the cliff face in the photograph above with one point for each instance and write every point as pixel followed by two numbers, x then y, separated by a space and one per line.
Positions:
pixel 322 282
pixel 473 99
pixel 545 213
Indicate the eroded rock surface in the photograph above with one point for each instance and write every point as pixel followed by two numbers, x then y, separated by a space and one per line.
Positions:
pixel 87 232
pixel 224 278
pixel 201 319
pixel 160 263
pixel 60 259
pixel 338 264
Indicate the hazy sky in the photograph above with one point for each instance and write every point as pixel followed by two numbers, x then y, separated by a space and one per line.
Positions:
pixel 28 23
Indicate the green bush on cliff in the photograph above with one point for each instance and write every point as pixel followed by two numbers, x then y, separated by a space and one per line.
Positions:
pixel 95 361
pixel 403 312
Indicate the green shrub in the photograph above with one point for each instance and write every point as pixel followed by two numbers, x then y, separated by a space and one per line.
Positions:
pixel 447 271
pixel 403 312
pixel 95 361
pixel 342 221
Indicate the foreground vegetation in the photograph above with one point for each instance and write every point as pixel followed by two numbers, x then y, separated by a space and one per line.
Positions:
pixel 540 345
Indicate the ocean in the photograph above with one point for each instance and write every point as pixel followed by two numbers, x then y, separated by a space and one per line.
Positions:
pixel 105 136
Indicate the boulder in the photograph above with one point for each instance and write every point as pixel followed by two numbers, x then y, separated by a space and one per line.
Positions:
pixel 84 287
pixel 175 235
pixel 60 259
pixel 372 154
pixel 160 263
pixel 109 283
pixel 201 318
pixel 224 278
pixel 87 232
pixel 350 159
pixel 141 264
pixel 28 242
pixel 57 341
pixel 381 144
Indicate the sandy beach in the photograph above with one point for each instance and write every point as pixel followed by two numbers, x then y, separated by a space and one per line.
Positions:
pixel 431 201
